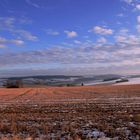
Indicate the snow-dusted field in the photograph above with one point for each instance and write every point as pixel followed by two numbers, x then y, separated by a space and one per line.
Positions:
pixel 132 81
pixel 99 83
pixel 70 113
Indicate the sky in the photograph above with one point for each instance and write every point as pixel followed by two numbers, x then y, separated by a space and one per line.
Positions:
pixel 69 37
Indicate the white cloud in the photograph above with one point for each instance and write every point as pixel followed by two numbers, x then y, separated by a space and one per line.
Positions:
pixel 138 6
pixel 2 46
pixel 27 35
pixel 2 40
pixel 120 15
pixel 17 42
pixel 73 56
pixel 138 19
pixel 120 39
pixel 138 28
pixel 25 20
pixel 101 40
pixel 86 55
pixel 102 30
pixel 128 40
pixel 29 2
pixel 127 52
pixel 51 32
pixel 71 34
pixel 128 1
pixel 77 42
pixel 9 24
pixel 123 31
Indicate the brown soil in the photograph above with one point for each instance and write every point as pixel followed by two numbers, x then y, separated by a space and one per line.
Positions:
pixel 71 113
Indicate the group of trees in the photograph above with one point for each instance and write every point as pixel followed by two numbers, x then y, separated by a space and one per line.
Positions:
pixel 13 84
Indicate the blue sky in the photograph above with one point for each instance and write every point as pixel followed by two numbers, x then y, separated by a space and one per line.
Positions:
pixel 70 37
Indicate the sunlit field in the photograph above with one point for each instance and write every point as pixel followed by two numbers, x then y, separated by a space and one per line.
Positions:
pixel 70 113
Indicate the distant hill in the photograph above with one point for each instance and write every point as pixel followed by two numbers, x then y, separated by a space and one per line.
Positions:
pixel 61 80
pixel 64 80
pixel 44 77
